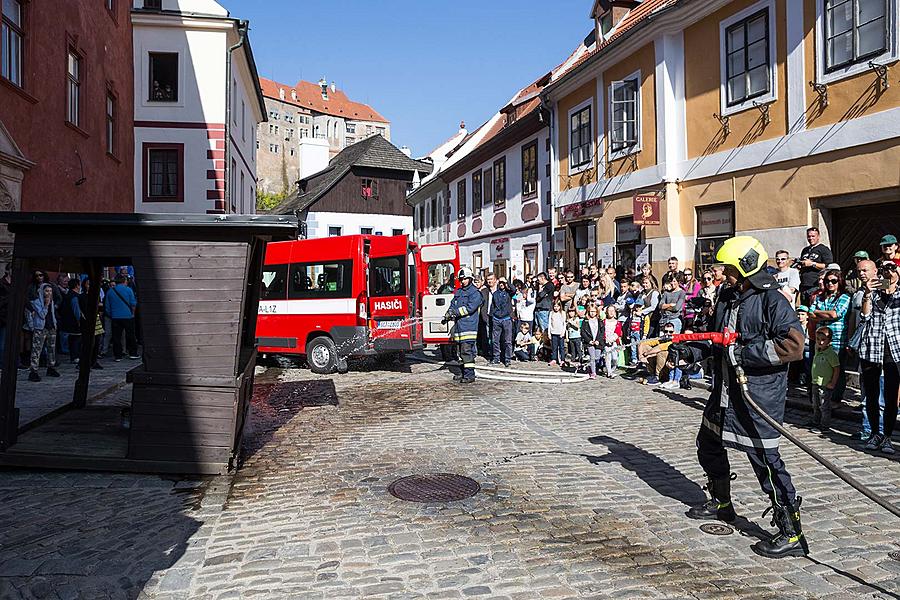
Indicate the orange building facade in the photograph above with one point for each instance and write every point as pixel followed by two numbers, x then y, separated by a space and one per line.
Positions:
pixel 758 117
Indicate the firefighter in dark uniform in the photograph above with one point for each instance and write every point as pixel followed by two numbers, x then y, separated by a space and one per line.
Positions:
pixel 464 311
pixel 770 337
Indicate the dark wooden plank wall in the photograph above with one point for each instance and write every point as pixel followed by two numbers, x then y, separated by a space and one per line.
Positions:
pixel 345 196
pixel 177 283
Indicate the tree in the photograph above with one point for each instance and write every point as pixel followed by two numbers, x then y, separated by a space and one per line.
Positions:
pixel 268 201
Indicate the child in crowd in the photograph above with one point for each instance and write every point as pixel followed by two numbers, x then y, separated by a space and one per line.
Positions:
pixel 592 333
pixel 826 368
pixel 612 338
pixel 525 343
pixel 557 331
pixel 803 317
pixel 573 335
pixel 542 344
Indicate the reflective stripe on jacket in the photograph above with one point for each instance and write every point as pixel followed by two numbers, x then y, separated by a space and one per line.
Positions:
pixel 464 307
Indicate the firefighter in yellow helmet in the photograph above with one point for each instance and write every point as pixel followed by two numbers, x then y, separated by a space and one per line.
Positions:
pixel 770 337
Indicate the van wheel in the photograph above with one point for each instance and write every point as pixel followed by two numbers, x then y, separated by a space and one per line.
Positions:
pixel 321 354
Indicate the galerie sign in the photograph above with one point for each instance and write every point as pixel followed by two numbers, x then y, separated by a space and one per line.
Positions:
pixel 646 209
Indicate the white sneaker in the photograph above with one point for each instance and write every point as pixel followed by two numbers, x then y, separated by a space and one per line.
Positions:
pixel 886 447
pixel 669 385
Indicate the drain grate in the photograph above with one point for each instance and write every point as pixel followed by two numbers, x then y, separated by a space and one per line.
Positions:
pixel 716 529
pixel 434 487
pixel 895 555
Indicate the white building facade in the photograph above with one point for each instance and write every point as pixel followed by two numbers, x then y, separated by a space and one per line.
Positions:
pixel 197 107
pixel 498 191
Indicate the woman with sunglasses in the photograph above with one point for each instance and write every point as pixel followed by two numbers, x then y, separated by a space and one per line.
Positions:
pixel 879 350
pixel 830 309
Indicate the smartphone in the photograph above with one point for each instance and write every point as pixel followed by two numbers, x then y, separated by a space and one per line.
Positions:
pixel 883 284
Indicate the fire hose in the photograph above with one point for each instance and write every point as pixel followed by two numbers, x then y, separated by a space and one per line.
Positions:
pixel 728 339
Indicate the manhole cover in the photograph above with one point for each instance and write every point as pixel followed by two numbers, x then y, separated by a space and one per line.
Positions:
pixel 434 487
pixel 895 555
pixel 716 529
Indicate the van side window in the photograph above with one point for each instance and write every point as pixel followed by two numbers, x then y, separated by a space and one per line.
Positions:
pixel 386 276
pixel 321 280
pixel 274 279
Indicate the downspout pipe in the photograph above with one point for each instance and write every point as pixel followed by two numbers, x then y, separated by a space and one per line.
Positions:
pixel 242 27
pixel 547 108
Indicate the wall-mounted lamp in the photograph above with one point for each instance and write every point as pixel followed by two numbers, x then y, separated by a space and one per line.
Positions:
pixel 81 179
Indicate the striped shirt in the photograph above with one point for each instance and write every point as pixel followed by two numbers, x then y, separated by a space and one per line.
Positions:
pixel 840 305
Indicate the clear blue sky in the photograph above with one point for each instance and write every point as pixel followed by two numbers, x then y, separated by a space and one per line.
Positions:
pixel 424 64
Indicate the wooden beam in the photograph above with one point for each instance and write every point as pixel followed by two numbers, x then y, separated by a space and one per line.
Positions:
pixel 9 421
pixel 88 323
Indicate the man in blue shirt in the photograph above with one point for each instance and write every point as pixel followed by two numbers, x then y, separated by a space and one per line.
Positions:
pixel 120 304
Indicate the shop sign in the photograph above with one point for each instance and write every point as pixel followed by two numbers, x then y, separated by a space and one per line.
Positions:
pixel 715 221
pixel 646 209
pixel 587 208
pixel 627 232
pixel 500 249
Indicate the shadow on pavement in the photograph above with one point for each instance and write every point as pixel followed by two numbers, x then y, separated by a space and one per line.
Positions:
pixel 855 578
pixel 652 470
pixel 664 478
pixel 90 535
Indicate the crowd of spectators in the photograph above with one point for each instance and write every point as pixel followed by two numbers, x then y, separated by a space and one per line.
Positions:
pixel 609 321
pixel 53 323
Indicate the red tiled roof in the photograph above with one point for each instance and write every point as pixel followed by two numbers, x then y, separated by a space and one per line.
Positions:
pixel 309 96
pixel 632 19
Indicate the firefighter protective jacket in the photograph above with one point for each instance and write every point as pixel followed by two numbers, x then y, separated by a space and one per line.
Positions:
pixel 464 309
pixel 770 339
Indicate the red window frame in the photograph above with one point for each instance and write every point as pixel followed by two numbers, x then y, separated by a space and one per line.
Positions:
pixel 145 171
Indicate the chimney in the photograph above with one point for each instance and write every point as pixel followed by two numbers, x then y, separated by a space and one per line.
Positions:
pixel 312 155
pixel 333 87
pixel 323 83
pixel 405 150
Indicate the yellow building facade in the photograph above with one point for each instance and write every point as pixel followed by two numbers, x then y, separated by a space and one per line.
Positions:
pixel 759 117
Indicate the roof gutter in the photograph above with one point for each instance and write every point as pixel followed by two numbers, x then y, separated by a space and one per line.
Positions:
pixel 242 27
pixel 598 55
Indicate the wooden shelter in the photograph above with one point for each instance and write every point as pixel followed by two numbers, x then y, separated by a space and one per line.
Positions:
pixel 198 288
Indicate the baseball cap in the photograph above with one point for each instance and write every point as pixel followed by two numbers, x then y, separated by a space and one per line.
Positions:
pixel 888 239
pixel 862 254
pixel 832 267
pixel 803 308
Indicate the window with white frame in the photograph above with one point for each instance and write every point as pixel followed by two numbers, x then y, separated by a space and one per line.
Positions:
pixel 12 34
pixel 73 87
pixel 855 31
pixel 580 138
pixel 747 66
pixel 625 114
pixel 334 230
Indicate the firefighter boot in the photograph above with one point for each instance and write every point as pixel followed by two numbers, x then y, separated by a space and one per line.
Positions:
pixel 789 541
pixel 719 506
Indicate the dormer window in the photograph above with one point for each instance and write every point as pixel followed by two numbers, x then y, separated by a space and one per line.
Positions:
pixel 608 13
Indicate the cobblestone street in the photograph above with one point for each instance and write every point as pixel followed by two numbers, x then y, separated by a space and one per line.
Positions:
pixel 583 493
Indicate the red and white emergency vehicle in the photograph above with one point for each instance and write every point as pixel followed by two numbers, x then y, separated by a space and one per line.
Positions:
pixel 355 295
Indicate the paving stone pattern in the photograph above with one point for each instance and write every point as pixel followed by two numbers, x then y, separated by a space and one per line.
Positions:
pixel 584 489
